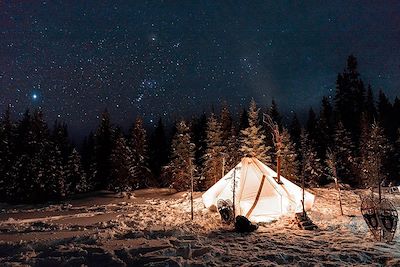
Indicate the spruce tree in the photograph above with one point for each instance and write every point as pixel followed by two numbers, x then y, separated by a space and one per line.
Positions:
pixel 226 122
pixel 344 155
pixel 325 128
pixel 60 138
pixel 350 98
pixel 198 137
pixel 24 172
pixel 182 157
pixel 295 133
pixel 374 151
pixel 53 173
pixel 312 126
pixel 289 159
pixel 386 118
pixel 243 120
pixel 89 159
pixel 158 150
pixel 370 109
pixel 75 175
pixel 103 145
pixel 213 157
pixel 253 137
pixel 7 154
pixel 138 146
pixel 123 176
pixel 312 169
pixel 232 148
pixel 273 112
pixel 397 148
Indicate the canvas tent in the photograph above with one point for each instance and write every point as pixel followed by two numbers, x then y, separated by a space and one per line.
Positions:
pixel 258 195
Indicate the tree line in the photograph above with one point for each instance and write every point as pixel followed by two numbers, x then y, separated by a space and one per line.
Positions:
pixel 38 163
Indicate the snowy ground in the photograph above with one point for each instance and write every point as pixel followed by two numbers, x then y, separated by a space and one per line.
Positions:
pixel 154 229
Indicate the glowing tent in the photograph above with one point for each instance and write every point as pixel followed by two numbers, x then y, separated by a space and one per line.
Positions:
pixel 258 195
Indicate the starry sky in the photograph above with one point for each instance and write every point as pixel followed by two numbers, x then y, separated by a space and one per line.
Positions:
pixel 171 59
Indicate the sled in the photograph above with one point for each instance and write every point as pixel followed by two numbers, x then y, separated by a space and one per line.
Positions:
pixel 225 209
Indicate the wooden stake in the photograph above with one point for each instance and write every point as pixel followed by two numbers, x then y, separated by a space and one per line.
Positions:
pixel 191 189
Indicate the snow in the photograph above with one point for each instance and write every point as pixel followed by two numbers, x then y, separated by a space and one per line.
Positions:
pixel 154 229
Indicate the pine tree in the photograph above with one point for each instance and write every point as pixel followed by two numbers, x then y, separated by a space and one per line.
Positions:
pixel 182 158
pixel 370 110
pixel 397 148
pixel 75 175
pixel 123 177
pixel 386 118
pixel 312 126
pixel 325 128
pixel 158 150
pixel 232 148
pixel 344 155
pixel 89 160
pixel 53 173
pixel 396 110
pixel 213 157
pixel 138 146
pixel 103 145
pixel 253 137
pixel 243 120
pixel 7 156
pixel 289 160
pixel 226 122
pixel 273 112
pixel 312 169
pixel 24 168
pixel 295 133
pixel 349 98
pixel 198 137
pixel 60 138
pixel 374 151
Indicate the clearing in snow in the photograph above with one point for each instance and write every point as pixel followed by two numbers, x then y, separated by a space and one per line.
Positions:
pixel 154 229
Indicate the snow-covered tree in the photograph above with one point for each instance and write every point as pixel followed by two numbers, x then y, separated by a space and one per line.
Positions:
pixel 182 157
pixel 344 154
pixel 52 173
pixel 273 112
pixel 138 146
pixel 89 160
pixel 75 175
pixel 312 169
pixel 123 167
pixel 332 164
pixel 374 150
pixel 289 160
pixel 158 150
pixel 7 156
pixel 226 122
pixel 213 157
pixel 104 142
pixel 253 137
pixel 232 146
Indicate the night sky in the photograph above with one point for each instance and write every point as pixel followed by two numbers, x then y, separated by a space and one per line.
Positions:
pixel 175 58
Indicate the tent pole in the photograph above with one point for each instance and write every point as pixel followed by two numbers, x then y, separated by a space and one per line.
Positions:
pixel 191 188
pixel 233 190
pixel 223 166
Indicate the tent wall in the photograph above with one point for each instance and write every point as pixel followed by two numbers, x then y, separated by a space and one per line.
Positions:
pixel 265 203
